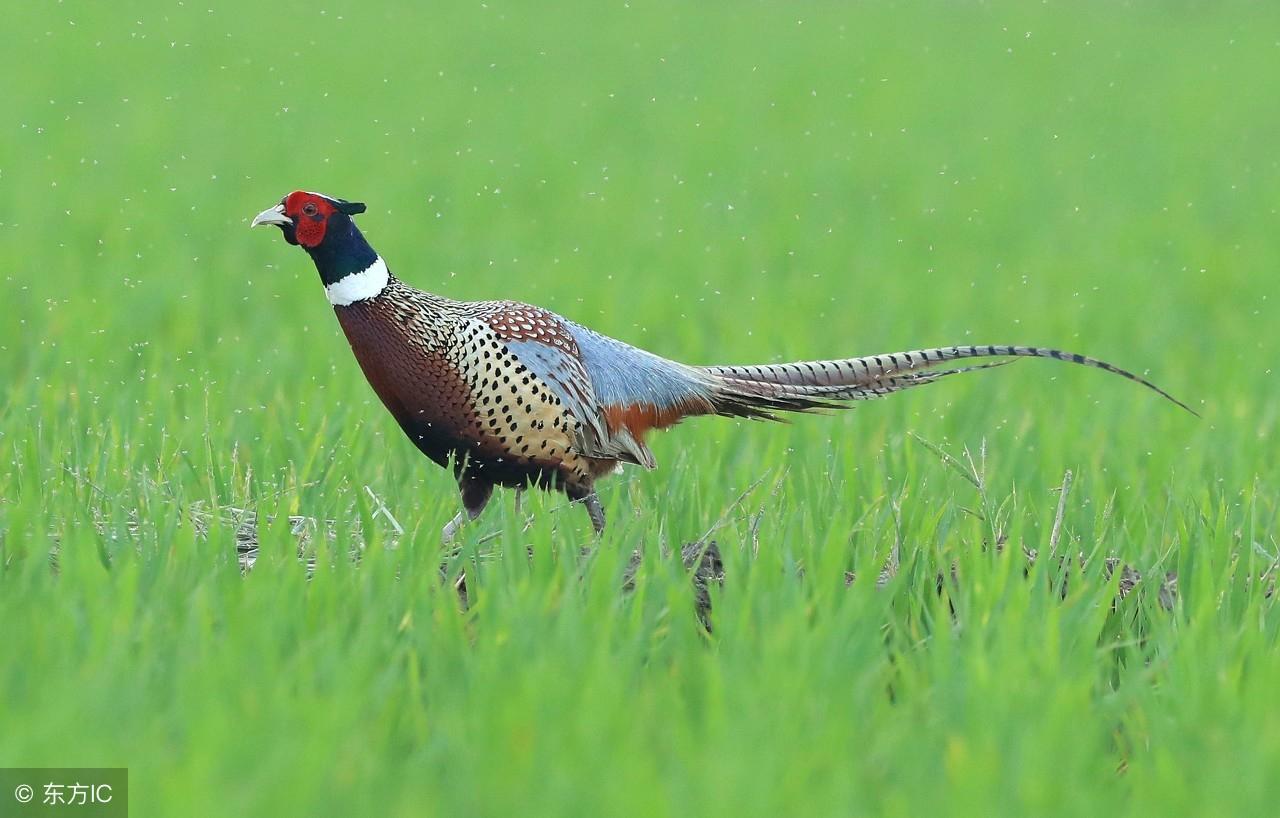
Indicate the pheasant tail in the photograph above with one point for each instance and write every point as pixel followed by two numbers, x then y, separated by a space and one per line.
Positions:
pixel 756 391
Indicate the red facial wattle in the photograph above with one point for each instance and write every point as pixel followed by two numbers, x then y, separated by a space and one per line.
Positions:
pixel 310 214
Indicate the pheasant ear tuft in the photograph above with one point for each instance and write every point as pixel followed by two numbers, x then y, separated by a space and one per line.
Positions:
pixel 350 208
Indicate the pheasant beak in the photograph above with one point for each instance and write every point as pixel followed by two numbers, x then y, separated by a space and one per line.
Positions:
pixel 272 215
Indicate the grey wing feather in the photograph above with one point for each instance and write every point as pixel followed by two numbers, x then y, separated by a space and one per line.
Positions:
pixel 624 375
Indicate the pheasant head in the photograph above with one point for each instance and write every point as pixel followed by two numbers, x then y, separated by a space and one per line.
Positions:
pixel 323 226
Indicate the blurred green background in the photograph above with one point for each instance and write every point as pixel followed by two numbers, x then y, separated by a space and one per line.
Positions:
pixel 718 183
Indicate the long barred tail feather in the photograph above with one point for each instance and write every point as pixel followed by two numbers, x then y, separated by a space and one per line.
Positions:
pixel 840 392
pixel 754 399
pixel 758 391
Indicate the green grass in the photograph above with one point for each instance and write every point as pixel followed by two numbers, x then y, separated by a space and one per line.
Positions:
pixel 718 183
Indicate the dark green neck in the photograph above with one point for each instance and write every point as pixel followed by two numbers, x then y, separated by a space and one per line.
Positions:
pixel 344 250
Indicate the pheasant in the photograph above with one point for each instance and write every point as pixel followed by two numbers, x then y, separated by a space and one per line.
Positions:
pixel 508 394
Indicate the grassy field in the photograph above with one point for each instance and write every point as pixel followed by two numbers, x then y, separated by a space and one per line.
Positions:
pixel 719 183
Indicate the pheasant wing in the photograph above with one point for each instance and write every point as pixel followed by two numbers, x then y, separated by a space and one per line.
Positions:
pixel 541 342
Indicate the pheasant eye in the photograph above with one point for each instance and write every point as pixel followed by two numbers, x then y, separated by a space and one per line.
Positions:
pixel 310 209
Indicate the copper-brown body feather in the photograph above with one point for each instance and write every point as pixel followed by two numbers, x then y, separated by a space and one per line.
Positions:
pixel 443 370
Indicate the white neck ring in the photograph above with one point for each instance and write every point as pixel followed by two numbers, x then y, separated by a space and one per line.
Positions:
pixel 359 286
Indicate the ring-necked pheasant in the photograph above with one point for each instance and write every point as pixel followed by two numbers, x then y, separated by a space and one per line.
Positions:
pixel 513 395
